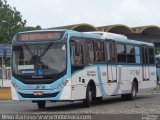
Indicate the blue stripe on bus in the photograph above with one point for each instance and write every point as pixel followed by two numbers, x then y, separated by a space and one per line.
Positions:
pixel 100 81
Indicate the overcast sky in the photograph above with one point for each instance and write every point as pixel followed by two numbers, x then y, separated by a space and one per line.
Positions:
pixel 53 13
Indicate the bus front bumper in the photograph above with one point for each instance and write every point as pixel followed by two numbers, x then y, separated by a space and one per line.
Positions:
pixel 35 95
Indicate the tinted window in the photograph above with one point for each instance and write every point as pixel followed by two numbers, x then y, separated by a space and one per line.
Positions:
pixel 76 60
pixel 130 54
pixel 110 47
pixel 99 51
pixel 108 52
pixel 144 55
pixel 130 49
pixel 90 52
pixel 151 55
pixel 121 53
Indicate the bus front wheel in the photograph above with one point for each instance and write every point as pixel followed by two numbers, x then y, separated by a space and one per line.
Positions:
pixel 41 104
pixel 89 96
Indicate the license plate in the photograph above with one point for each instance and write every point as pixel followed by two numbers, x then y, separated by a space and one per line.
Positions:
pixel 38 93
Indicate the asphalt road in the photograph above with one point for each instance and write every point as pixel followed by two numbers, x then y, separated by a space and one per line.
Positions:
pixel 111 107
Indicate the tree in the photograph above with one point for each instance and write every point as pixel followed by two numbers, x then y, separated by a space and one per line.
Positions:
pixel 11 22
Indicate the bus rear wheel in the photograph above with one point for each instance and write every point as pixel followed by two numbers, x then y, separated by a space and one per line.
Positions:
pixel 89 97
pixel 41 104
pixel 98 99
pixel 132 95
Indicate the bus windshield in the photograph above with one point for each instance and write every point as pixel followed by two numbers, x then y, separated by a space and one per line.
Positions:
pixel 39 59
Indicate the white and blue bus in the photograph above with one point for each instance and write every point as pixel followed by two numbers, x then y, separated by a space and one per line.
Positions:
pixel 65 65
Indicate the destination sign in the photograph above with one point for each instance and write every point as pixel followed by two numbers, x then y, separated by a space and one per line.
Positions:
pixel 27 37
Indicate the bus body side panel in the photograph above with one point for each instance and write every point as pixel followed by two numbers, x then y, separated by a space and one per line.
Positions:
pixel 125 76
pixel 111 76
pixel 14 93
pixel 103 80
pixel 150 84
pixel 66 92
pixel 129 74
pixel 80 81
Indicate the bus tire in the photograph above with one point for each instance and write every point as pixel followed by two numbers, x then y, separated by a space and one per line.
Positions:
pixel 133 93
pixel 89 96
pixel 41 104
pixel 98 99
pixel 124 96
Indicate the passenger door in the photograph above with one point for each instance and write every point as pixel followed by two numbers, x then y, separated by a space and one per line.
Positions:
pixel 77 68
pixel 111 60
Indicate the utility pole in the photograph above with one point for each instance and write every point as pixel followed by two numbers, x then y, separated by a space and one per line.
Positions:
pixel 2 72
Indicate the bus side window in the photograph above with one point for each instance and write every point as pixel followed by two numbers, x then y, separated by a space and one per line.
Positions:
pixel 76 52
pixel 130 54
pixel 146 55
pixel 90 52
pixel 113 55
pixel 110 47
pixel 121 53
pixel 151 56
pixel 76 59
pixel 144 52
pixel 143 55
pixel 138 57
pixel 99 51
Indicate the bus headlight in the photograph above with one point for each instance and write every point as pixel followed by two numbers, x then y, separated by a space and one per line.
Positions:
pixel 63 84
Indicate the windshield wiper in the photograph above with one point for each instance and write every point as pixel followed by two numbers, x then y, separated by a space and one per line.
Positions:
pixel 29 50
pixel 46 50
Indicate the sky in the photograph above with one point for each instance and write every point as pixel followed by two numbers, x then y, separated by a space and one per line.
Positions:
pixel 54 13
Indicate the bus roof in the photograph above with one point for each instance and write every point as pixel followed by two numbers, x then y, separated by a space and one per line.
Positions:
pixel 129 41
pixel 119 38
pixel 97 35
pixel 109 35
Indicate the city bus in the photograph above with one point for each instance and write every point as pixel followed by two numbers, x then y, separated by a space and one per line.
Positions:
pixel 65 65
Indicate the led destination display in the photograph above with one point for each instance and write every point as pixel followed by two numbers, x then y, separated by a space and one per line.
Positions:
pixel 27 37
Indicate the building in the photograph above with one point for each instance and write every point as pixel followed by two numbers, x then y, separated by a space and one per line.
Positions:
pixel 150 33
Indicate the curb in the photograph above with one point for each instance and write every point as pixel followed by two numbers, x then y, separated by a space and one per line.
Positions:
pixel 5 94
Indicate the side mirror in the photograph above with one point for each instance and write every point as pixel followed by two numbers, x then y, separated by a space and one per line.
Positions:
pixel 78 50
